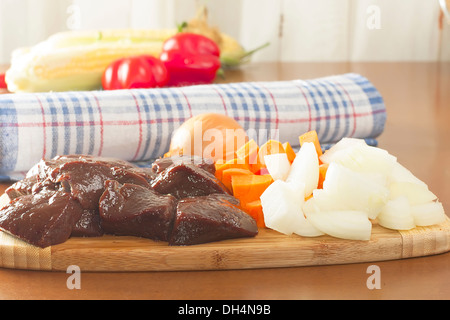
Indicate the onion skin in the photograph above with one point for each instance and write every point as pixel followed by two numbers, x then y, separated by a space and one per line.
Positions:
pixel 208 135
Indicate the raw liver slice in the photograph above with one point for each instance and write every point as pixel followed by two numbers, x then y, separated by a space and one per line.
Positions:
pixel 187 180
pixel 133 210
pixel 210 218
pixel 43 219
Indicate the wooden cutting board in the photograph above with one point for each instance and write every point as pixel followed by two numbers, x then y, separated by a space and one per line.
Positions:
pixel 269 249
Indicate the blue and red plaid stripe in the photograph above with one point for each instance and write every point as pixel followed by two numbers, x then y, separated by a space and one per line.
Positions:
pixel 136 125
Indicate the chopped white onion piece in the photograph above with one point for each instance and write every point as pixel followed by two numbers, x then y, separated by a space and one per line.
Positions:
pixel 282 209
pixel 351 225
pixel 397 215
pixel 305 168
pixel 278 165
pixel 354 191
pixel 416 193
pixel 341 146
pixel 428 214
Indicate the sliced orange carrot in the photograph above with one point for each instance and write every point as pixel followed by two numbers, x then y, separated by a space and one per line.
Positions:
pixel 248 188
pixel 289 151
pixel 248 152
pixel 227 175
pixel 322 173
pixel 233 163
pixel 254 209
pixel 311 136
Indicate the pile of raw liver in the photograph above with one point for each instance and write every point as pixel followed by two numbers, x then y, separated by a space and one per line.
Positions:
pixel 178 200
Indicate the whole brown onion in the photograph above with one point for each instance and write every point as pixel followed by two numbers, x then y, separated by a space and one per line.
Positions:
pixel 209 135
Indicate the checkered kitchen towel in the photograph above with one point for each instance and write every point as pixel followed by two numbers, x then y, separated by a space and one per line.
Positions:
pixel 136 125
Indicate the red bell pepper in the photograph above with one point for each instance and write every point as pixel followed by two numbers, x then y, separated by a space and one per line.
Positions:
pixel 135 72
pixel 2 81
pixel 190 59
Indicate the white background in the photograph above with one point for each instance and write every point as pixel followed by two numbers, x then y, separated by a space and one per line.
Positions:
pixel 298 30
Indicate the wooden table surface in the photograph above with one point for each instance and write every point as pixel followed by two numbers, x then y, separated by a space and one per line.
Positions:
pixel 417 98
